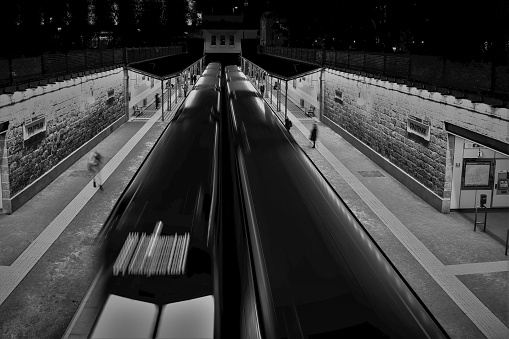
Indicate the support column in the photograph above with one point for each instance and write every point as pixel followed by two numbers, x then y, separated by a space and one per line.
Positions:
pixel 169 97
pixel 322 96
pixel 270 90
pixel 162 99
pixel 278 97
pixel 126 92
pixel 286 98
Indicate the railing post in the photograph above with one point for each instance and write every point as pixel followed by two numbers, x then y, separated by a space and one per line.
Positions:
pixel 385 56
pixel 493 80
pixel 42 64
pixel 11 71
pixel 409 66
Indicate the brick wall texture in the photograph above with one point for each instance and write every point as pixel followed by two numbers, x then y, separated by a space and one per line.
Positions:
pixel 72 119
pixel 379 119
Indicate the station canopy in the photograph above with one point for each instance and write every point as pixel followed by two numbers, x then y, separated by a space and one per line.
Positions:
pixel 280 68
pixel 165 67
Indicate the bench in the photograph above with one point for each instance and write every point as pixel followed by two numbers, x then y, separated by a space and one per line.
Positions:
pixel 310 112
pixel 137 110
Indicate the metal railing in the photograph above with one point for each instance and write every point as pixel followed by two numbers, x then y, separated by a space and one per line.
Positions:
pixel 480 78
pixel 17 71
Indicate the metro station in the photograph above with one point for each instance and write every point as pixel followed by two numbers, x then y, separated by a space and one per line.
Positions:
pixel 211 211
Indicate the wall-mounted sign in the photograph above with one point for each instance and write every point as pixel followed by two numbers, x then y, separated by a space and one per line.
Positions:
pixel 472 145
pixel 418 128
pixel 35 126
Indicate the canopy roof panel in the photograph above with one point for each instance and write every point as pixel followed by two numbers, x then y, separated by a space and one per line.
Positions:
pixel 280 68
pixel 166 67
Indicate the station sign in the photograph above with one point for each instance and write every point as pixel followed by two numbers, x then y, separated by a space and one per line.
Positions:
pixel 33 127
pixel 418 128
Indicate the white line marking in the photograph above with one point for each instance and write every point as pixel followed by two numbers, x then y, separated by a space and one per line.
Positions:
pixel 479 268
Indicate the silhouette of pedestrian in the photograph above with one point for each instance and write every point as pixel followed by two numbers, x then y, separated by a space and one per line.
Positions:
pixel 314 134
pixel 262 89
pixel 94 161
pixel 185 88
pixel 157 101
pixel 288 124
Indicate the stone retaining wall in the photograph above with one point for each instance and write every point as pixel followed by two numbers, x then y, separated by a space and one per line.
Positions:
pixel 376 112
pixel 74 111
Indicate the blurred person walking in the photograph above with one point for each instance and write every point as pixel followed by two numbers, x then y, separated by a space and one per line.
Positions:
pixel 94 161
pixel 314 134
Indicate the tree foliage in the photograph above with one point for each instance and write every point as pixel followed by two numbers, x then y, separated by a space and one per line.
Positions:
pixel 36 26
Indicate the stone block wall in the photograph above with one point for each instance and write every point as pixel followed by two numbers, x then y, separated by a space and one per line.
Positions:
pixel 376 112
pixel 75 111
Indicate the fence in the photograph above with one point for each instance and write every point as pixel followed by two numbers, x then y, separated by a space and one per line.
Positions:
pixel 49 65
pixel 485 79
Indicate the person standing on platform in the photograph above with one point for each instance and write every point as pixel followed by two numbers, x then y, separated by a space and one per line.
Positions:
pixel 94 161
pixel 185 88
pixel 157 101
pixel 288 124
pixel 262 89
pixel 314 134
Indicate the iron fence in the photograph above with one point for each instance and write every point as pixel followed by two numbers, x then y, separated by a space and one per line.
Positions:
pixel 481 78
pixel 23 70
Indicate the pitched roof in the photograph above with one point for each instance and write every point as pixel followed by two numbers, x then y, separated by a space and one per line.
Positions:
pixel 166 67
pixel 281 68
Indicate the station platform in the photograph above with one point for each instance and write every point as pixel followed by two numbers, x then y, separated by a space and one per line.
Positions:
pixel 49 257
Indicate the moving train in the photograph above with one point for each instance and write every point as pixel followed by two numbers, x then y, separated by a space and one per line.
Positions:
pixel 252 216
pixel 319 274
pixel 160 237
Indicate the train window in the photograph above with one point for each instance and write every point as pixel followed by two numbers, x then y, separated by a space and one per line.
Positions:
pixel 223 40
pixel 232 40
pixel 213 40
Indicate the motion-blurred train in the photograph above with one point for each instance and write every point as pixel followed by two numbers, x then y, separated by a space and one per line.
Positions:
pixel 319 273
pixel 306 267
pixel 159 238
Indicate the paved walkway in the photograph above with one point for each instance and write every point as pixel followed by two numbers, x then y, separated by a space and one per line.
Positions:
pixel 461 275
pixel 48 257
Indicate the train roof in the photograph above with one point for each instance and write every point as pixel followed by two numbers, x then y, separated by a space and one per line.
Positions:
pixel 208 82
pixel 213 66
pixel 232 68
pixel 242 88
pixel 210 71
pixel 235 76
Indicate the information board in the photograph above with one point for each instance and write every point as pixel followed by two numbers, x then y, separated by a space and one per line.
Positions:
pixel 477 174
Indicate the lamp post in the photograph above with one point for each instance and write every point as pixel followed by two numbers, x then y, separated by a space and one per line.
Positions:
pixel 286 98
pixel 162 99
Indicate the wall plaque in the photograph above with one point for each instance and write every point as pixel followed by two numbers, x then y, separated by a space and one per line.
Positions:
pixel 418 128
pixel 33 127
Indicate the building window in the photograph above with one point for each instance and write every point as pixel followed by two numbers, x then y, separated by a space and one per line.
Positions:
pixel 213 40
pixel 232 40
pixel 338 97
pixel 223 40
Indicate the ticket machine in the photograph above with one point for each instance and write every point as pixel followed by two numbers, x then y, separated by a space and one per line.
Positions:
pixel 501 187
